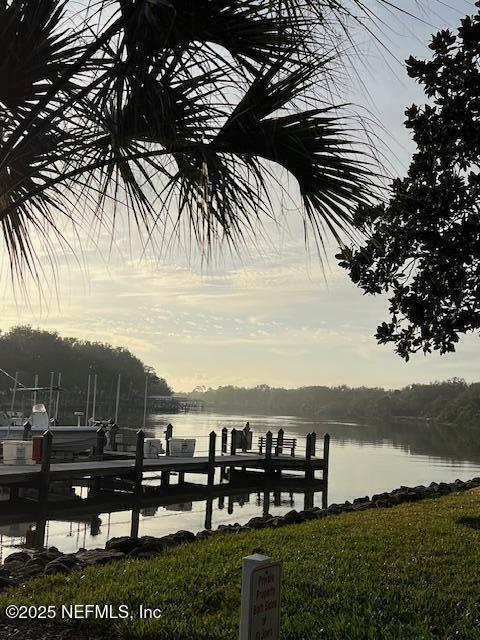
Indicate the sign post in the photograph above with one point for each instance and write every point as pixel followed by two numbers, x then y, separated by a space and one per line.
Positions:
pixel 261 592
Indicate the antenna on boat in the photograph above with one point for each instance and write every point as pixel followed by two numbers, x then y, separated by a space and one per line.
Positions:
pixel 88 399
pixel 35 385
pixel 117 402
pixel 145 402
pixel 94 396
pixel 15 384
pixel 58 396
pixel 50 397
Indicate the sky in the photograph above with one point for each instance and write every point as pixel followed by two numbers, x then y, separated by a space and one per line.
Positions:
pixel 272 315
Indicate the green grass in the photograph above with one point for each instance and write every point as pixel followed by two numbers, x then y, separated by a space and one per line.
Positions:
pixel 410 572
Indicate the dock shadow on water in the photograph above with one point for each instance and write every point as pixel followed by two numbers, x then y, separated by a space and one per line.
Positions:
pixel 365 458
pixel 82 519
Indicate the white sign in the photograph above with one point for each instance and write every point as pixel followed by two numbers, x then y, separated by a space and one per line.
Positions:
pixel 261 596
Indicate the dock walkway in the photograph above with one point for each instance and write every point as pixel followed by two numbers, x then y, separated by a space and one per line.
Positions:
pixel 130 472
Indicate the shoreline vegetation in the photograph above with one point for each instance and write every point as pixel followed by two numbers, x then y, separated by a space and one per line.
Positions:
pixel 448 402
pixel 406 572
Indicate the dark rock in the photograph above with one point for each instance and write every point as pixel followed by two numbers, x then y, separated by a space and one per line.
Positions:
pixel 360 500
pixel 55 567
pixel 444 488
pixel 334 509
pixel 204 535
pixel 20 556
pixel 258 522
pixel 36 562
pixel 184 536
pixel 383 496
pixel 99 556
pixel 68 559
pixel 292 517
pixel 30 572
pixel 307 514
pixel 169 541
pixel 15 566
pixel 124 544
pixel 277 522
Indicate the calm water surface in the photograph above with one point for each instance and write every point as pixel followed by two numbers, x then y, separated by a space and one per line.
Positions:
pixel 364 459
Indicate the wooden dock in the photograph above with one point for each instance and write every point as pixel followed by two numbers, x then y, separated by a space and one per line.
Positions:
pixel 108 466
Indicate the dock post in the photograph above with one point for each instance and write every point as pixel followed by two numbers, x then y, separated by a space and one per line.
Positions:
pixel 233 442
pixel 139 462
pixel 135 522
pixel 45 467
pixel 308 458
pixel 233 451
pixel 314 444
pixel 168 435
pixel 279 447
pixel 308 499
pixel 211 458
pixel 101 440
pixel 266 503
pixel 326 456
pixel 208 513
pixel 27 431
pixel 112 436
pixel 224 440
pixel 268 451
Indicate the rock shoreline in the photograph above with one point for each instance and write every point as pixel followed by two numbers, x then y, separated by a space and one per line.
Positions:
pixel 23 565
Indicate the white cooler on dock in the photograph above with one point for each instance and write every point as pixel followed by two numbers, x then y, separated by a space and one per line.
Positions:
pixel 18 452
pixel 182 447
pixel 152 448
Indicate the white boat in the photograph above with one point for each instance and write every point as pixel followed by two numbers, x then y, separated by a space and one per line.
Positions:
pixel 66 439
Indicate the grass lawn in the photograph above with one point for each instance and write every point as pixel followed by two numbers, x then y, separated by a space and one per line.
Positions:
pixel 407 572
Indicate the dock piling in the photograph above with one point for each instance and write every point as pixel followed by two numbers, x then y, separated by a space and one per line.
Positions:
pixel 139 462
pixel 100 446
pixel 279 446
pixel 112 436
pixel 45 467
pixel 314 444
pixel 326 455
pixel 211 457
pixel 224 439
pixel 268 451
pixel 168 436
pixel 309 473
pixel 233 442
pixel 27 431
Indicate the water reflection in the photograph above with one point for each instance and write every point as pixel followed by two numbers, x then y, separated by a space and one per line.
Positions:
pixel 364 459
pixel 91 530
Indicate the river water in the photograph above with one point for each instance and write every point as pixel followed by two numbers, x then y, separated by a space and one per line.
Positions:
pixel 365 458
